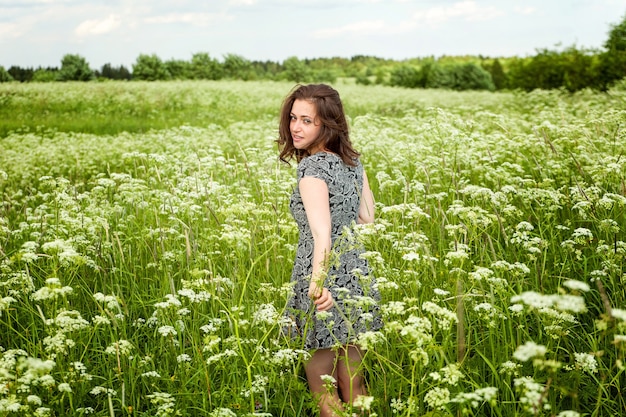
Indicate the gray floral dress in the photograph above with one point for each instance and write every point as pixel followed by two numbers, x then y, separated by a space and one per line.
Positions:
pixel 353 289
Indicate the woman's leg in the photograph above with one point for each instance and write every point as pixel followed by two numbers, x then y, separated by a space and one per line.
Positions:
pixel 349 373
pixel 323 362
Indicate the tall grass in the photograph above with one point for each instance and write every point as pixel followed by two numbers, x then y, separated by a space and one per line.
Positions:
pixel 109 108
pixel 146 273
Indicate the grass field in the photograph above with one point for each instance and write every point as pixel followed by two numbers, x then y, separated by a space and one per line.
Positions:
pixel 146 247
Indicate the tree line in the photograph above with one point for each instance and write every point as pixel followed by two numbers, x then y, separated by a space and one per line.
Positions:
pixel 570 68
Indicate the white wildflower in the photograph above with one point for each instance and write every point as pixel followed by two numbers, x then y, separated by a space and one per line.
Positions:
pixel 397 406
pixel 568 413
pixel 510 368
pixel 443 316
pixel 33 399
pixel 576 285
pixel 220 356
pixel 581 234
pixel 329 381
pixel 5 302
pixel 265 314
pixel 182 358
pixel 477 397
pixel 528 351
pixel 393 307
pixel 367 340
pixel 363 402
pixel 165 403
pixel 43 412
pixel 411 256
pixel 532 394
pixel 99 320
pixel 166 331
pixel 586 362
pixel 122 347
pixel 102 390
pixel 451 374
pixel 64 387
pixel 437 398
pixel 111 301
pixel 222 412
pixel 618 314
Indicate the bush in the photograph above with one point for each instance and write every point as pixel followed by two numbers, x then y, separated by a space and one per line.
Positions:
pixel 498 76
pixel 45 75
pixel 296 70
pixel 150 68
pixel 4 75
pixel 405 76
pixel 462 77
pixel 203 67
pixel 571 69
pixel 74 68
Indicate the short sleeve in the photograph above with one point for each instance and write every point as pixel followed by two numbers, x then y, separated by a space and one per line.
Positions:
pixel 313 166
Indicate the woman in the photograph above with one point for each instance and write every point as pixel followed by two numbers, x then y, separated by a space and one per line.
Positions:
pixel 334 299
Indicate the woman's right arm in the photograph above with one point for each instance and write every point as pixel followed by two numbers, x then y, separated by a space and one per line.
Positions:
pixel 366 209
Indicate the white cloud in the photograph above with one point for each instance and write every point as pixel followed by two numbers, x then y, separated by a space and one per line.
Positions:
pixel 197 19
pixel 242 2
pixel 362 28
pixel 467 10
pixel 98 26
pixel 11 30
pixel 365 28
pixel 525 10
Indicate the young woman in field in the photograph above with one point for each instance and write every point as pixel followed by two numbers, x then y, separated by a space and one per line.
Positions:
pixel 334 298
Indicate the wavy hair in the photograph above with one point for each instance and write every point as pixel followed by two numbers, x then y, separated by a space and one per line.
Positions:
pixel 333 136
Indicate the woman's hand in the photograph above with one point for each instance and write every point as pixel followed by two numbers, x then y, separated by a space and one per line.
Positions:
pixel 322 298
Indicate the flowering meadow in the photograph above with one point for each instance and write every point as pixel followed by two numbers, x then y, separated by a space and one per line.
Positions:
pixel 144 270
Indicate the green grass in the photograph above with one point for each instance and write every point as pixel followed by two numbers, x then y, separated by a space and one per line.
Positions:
pixel 110 108
pixel 145 260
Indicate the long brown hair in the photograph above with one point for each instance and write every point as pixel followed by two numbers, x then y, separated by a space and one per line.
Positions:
pixel 334 127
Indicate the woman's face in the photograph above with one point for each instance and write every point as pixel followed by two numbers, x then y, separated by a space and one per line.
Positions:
pixel 304 126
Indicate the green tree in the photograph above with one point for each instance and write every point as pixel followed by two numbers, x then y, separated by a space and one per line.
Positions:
pixel 21 74
pixel 45 75
pixel 74 68
pixel 541 71
pixel 115 73
pixel 178 69
pixel 266 69
pixel 470 76
pixel 203 67
pixel 4 75
pixel 296 70
pixel 612 65
pixel 324 75
pixel 363 79
pixel 150 68
pixel 580 69
pixel 436 75
pixel 237 67
pixel 498 76
pixel 406 76
pixel 572 69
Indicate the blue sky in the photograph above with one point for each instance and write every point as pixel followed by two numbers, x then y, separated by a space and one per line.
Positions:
pixel 39 32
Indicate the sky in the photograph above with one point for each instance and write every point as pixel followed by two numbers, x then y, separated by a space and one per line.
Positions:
pixel 36 33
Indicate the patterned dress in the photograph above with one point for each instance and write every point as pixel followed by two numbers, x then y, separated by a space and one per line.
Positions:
pixel 353 289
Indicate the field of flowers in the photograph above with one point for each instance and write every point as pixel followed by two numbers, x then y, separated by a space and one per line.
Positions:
pixel 144 272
